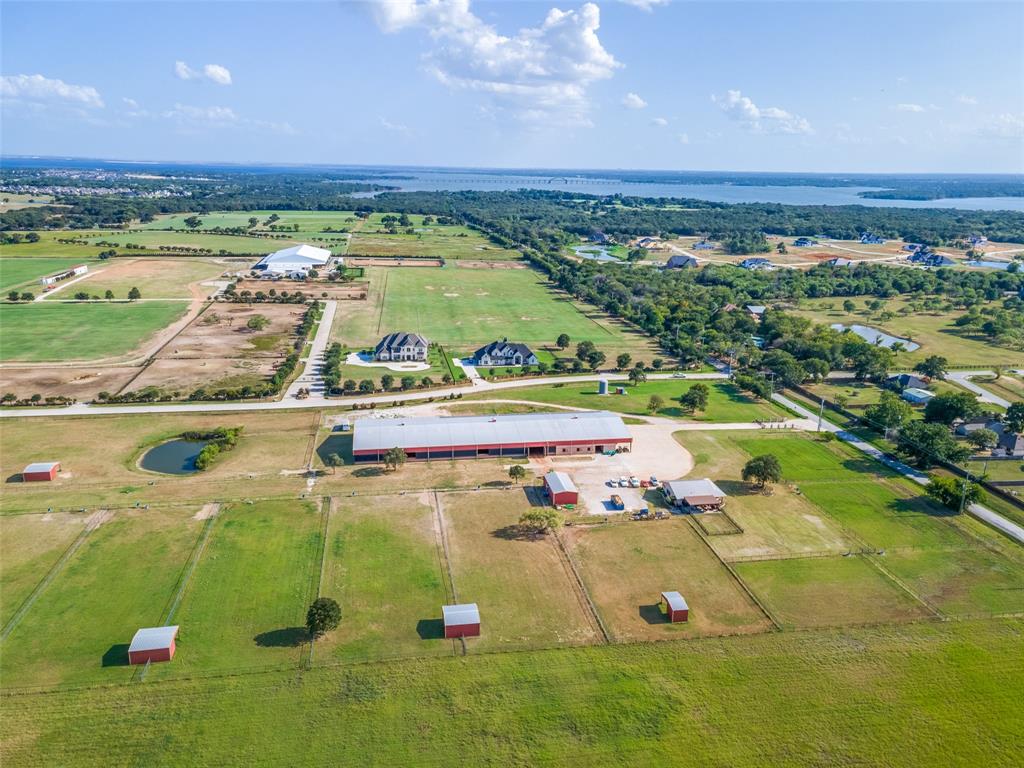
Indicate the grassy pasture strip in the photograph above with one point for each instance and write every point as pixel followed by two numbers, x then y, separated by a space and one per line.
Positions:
pixel 190 567
pixel 317 577
pixel 877 563
pixel 586 601
pixel 25 272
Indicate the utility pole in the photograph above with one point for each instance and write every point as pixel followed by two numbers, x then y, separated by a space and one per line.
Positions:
pixel 821 411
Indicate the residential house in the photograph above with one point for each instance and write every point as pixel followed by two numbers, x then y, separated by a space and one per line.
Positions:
pixel 986 421
pixel 402 345
pixel 925 257
pixel 704 245
pixel 803 242
pixel 1012 444
pixel 900 381
pixel 756 263
pixel 977 240
pixel 756 310
pixel 504 352
pixel 912 247
pixel 867 238
pixel 839 262
pixel 681 261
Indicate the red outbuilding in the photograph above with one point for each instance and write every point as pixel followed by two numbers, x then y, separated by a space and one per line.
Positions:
pixel 152 644
pixel 461 620
pixel 40 471
pixel 674 607
pixel 561 489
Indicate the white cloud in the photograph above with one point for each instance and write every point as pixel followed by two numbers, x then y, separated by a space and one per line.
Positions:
pixel 1004 126
pixel 760 120
pixel 393 127
pixel 660 122
pixel 192 119
pixel 963 98
pixel 185 113
pixel 40 89
pixel 909 108
pixel 130 103
pixel 538 74
pixel 683 138
pixel 633 101
pixel 215 73
pixel 645 5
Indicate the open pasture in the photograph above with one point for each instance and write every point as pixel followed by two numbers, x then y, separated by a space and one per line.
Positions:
pixel 45 331
pixel 829 591
pixel 245 604
pixel 156 278
pixel 152 240
pixel 222 332
pixel 447 242
pixel 383 564
pixel 308 221
pixel 25 272
pixel 522 584
pixel 123 577
pixel 627 566
pixel 48 247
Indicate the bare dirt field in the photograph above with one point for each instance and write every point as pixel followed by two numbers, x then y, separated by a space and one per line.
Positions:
pixel 221 332
pixel 79 383
pixel 342 291
pixel 185 375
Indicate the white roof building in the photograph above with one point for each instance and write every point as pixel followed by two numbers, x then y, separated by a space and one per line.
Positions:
pixel 559 482
pixel 459 615
pixel 298 258
pixel 675 601
pixel 41 466
pixel 694 492
pixel 153 638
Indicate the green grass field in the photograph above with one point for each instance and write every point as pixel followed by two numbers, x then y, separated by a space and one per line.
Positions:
pixel 121 579
pixel 156 278
pixel 725 402
pixel 850 697
pixel 244 606
pixel 25 272
pixel 451 242
pixel 308 221
pixel 56 331
pixel 153 239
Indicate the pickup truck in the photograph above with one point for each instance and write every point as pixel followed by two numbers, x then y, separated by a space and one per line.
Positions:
pixel 616 502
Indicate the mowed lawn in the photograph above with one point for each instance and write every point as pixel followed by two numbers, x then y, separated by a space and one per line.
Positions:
pixel 29 546
pixel 447 242
pixel 16 272
pixel 123 577
pixel 626 568
pixel 911 696
pixel 521 584
pixel 382 565
pixel 69 331
pixel 245 605
pixel 829 591
pixel 726 403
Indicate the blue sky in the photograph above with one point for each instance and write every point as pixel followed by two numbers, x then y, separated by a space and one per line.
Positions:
pixel 771 86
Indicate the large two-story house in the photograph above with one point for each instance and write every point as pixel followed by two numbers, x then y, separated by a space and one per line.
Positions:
pixel 402 346
pixel 504 352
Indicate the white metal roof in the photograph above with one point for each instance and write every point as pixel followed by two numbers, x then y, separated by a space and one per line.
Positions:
pixel 919 394
pixel 380 434
pixel 680 489
pixel 297 254
pixel 41 466
pixel 675 601
pixel 153 638
pixel 559 482
pixel 457 615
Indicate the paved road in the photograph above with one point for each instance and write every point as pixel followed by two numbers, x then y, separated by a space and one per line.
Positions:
pixel 963 378
pixel 994 519
pixel 319 401
pixel 312 375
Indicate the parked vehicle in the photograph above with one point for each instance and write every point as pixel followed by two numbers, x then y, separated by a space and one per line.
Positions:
pixel 616 502
pixel 654 482
pixel 645 484
pixel 634 483
pixel 624 482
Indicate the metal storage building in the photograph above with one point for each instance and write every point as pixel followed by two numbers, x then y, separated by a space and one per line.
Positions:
pixel 561 488
pixel 152 644
pixel 675 607
pixel 40 471
pixel 520 435
pixel 701 494
pixel 461 620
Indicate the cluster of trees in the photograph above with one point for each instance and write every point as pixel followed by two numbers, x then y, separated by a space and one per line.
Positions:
pixel 218 441
pixel 15 296
pixel 10 398
pixel 273 296
pixel 14 238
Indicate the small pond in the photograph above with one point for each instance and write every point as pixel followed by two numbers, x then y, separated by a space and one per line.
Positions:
pixel 175 457
pixel 593 252
pixel 988 264
pixel 875 336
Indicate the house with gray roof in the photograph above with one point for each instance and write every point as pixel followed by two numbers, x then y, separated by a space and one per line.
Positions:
pixel 504 352
pixel 680 261
pixel 403 346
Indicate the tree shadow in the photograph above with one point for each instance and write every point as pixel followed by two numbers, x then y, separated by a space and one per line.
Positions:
pixel 866 465
pixel 921 505
pixel 289 637
pixel 116 656
pixel 368 472
pixel 430 629
pixel 535 495
pixel 652 614
pixel 516 532
pixel 496 484
pixel 339 443
pixel 738 488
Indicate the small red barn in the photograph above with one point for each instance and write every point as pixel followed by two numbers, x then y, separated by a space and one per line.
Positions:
pixel 461 620
pixel 152 644
pixel 40 471
pixel 561 488
pixel 674 607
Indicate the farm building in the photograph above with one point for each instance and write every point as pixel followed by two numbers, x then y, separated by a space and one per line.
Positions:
pixel 803 242
pixel 504 352
pixel 680 261
pixel 297 260
pixel 674 607
pixel 67 274
pixel 402 345
pixel 152 644
pixel 561 489
pixel 461 620
pixel 698 494
pixel 917 396
pixel 40 471
pixel 458 437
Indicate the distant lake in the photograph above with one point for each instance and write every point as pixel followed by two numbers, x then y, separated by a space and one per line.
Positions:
pixel 875 336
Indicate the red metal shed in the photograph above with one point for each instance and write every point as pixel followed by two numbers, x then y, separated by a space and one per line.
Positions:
pixel 461 620
pixel 674 607
pixel 152 644
pixel 561 488
pixel 40 471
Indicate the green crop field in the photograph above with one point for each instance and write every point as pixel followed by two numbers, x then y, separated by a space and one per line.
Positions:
pixel 18 272
pixel 726 403
pixel 244 606
pixel 122 578
pixel 151 240
pixel 449 242
pixel 64 331
pixel 850 697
